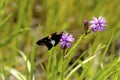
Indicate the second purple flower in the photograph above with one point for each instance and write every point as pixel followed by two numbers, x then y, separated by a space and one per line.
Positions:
pixel 98 24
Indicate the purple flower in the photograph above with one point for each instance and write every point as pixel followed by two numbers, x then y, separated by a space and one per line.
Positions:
pixel 65 40
pixel 98 24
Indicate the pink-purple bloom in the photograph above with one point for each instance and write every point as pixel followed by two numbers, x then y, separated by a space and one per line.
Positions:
pixel 66 40
pixel 98 24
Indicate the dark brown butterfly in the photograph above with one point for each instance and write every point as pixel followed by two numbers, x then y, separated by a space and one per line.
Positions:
pixel 51 40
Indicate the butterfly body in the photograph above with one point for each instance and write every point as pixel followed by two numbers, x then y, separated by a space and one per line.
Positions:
pixel 51 40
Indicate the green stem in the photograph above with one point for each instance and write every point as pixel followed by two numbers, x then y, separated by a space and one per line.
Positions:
pixel 77 67
pixel 62 74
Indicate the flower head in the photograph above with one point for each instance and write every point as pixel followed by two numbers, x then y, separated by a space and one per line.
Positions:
pixel 98 24
pixel 65 40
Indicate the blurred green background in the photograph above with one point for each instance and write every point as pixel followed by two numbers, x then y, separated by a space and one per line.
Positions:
pixel 23 22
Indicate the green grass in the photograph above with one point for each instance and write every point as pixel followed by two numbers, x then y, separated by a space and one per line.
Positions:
pixel 24 22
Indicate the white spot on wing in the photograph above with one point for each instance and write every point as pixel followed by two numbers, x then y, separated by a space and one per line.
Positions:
pixel 53 42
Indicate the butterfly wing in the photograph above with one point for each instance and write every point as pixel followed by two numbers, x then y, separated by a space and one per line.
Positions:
pixel 50 41
pixel 45 41
pixel 56 37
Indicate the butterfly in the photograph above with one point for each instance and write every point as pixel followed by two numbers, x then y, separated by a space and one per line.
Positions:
pixel 51 40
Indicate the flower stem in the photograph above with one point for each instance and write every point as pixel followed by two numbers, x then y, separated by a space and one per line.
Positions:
pixel 62 71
